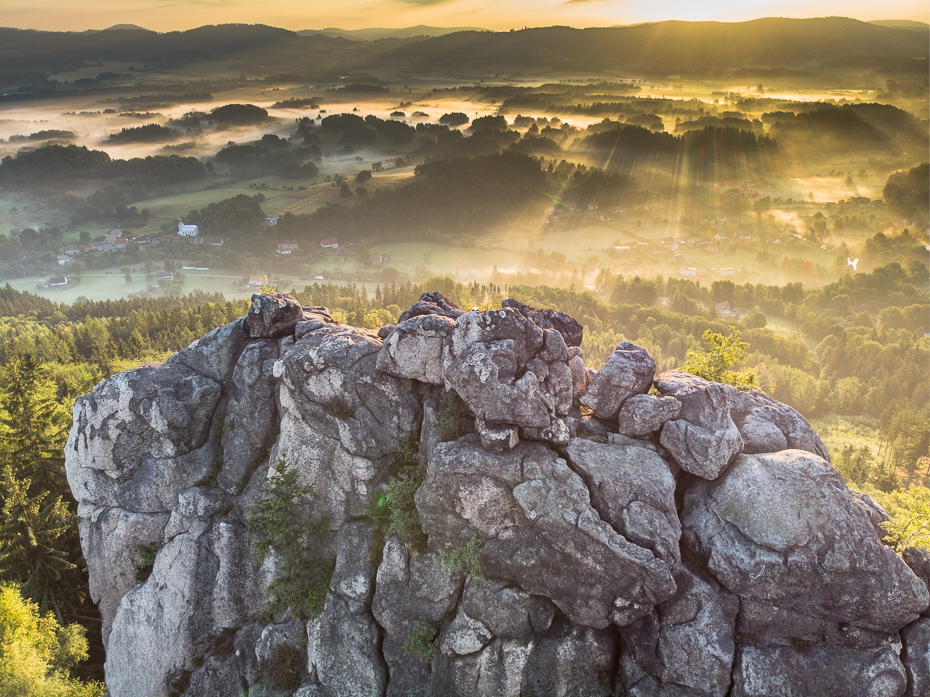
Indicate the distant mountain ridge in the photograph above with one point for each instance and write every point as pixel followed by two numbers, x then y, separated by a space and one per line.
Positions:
pixel 902 24
pixel 672 47
pixel 376 33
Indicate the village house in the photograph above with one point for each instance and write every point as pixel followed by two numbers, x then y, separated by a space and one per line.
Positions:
pixel 187 230
pixel 287 248
pixel 256 281
pixel 55 281
pixel 330 243
pixel 164 275
pixel 688 271
pixel 215 241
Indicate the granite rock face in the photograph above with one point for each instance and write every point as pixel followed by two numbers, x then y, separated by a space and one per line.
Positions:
pixel 692 544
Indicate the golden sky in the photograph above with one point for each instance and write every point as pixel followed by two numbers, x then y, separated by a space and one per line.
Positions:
pixel 167 15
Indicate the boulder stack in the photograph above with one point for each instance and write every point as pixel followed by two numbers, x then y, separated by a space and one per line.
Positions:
pixel 624 533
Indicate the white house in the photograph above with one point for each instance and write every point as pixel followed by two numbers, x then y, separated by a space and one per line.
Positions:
pixel 187 230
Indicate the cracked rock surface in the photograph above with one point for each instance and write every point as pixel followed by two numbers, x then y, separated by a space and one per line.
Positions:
pixel 692 544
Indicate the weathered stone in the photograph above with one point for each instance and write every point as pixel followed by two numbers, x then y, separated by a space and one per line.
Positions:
pixel 572 332
pixel 497 438
pixel 686 646
pixel 239 587
pixel 156 485
pixel 431 303
pixel 768 426
pixel 571 660
pixel 354 575
pixel 412 591
pixel 703 439
pixel 916 657
pixel 876 513
pixel 628 371
pixel 329 381
pixel 579 376
pixel 696 636
pixel 818 669
pixel 113 541
pixel 463 635
pixel 507 611
pixel 783 528
pixel 216 353
pixel 277 651
pixel 643 414
pixel 471 328
pixel 919 562
pixel 539 528
pixel 219 675
pixel 342 650
pixel 497 670
pixel 156 410
pixel 313 318
pixel 415 348
pixel 160 624
pixel 273 315
pixel 633 490
pixel 484 376
pixel 250 427
pixel 779 624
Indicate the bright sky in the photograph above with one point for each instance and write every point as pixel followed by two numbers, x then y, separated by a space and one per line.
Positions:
pixel 167 15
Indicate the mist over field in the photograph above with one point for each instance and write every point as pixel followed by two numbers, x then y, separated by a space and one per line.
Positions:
pixel 765 180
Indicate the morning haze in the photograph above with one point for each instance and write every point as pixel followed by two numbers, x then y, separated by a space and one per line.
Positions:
pixel 692 193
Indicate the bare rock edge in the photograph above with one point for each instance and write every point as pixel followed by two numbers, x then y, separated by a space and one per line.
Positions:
pixel 691 543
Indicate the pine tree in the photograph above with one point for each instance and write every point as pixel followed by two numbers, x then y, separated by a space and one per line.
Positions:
pixel 34 537
pixel 33 427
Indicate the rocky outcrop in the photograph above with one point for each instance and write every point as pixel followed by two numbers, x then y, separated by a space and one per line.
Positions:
pixel 582 535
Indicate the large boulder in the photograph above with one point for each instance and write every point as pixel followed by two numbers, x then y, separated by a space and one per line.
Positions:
pixel 431 303
pixel 628 371
pixel 703 438
pixel 768 426
pixel 783 528
pixel 645 414
pixel 329 381
pixel 415 348
pixel 539 530
pixel 273 315
pixel 484 375
pixel 633 490
pixel 250 426
pixel 570 329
